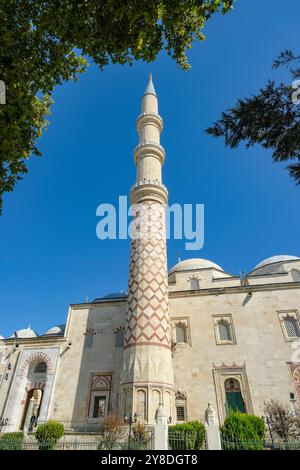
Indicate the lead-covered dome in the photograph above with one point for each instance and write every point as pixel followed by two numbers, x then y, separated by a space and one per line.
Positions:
pixel 56 330
pixel 194 263
pixel 25 333
pixel 112 295
pixel 276 259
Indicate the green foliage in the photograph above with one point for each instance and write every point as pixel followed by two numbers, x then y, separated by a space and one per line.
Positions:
pixel 11 441
pixel 38 43
pixel 271 119
pixel 241 431
pixel 187 436
pixel 48 434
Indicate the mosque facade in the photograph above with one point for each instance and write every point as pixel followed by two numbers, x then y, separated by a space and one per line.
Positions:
pixel 181 338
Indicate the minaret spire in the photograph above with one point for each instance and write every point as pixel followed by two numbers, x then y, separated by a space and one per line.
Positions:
pixel 150 87
pixel 147 360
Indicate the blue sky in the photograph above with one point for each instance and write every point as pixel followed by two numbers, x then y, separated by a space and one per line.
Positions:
pixel 49 253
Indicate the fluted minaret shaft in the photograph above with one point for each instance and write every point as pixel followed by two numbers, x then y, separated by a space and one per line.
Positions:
pixel 147 359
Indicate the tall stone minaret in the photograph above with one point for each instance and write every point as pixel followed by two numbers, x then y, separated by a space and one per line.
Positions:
pixel 147 377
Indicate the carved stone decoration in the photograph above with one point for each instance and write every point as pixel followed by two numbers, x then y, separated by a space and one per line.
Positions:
pixel 180 395
pixel 89 332
pixel 225 366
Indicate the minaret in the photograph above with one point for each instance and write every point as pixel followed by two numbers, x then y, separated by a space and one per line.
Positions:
pixel 147 377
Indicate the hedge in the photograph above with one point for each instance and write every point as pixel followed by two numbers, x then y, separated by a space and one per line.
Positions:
pixel 243 431
pixel 11 441
pixel 191 434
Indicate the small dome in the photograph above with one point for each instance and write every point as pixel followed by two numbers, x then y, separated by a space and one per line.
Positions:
pixel 56 330
pixel 113 295
pixel 194 263
pixel 276 259
pixel 26 333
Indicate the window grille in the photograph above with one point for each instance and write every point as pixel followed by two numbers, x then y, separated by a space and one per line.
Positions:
pixel 181 333
pixel 224 331
pixel 291 327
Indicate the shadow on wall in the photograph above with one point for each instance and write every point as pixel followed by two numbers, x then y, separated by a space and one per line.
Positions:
pixel 100 363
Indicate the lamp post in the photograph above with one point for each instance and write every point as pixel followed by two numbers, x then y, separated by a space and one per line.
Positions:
pixel 3 422
pixel 130 420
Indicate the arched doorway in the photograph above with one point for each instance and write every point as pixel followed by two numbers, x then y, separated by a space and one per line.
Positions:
pixel 36 381
pixel 234 397
pixel 31 409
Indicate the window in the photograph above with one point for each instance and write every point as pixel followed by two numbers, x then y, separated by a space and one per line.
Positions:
pixel 141 404
pixel 119 337
pixel 181 333
pixel 180 413
pixel 234 398
pixel 99 396
pixel 194 283
pixel 40 368
pixel 89 337
pixel 291 327
pixel 224 331
pixel 295 275
pixel 180 403
pixel 290 324
pixel 99 406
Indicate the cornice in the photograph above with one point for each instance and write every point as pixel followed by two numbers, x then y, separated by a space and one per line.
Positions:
pixel 235 289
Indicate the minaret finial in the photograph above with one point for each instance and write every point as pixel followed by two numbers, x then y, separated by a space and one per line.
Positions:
pixel 150 87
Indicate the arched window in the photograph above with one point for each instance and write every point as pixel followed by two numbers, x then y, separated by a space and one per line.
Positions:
pixel 234 397
pixel 194 283
pixel 224 331
pixel 119 338
pixel 141 404
pixel 40 368
pixel 181 336
pixel 295 275
pixel 291 327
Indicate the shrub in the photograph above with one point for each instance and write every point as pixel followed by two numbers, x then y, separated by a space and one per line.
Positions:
pixel 188 436
pixel 241 431
pixel 139 437
pixel 11 441
pixel 112 432
pixel 48 434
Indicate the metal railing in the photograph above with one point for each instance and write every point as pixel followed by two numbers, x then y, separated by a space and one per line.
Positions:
pixel 186 441
pixel 234 444
pixel 77 444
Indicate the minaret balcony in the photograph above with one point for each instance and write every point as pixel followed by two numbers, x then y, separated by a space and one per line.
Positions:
pixel 146 190
pixel 149 118
pixel 147 148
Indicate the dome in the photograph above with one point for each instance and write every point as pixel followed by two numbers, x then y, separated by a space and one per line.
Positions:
pixel 26 333
pixel 276 259
pixel 1 337
pixel 56 330
pixel 194 263
pixel 113 295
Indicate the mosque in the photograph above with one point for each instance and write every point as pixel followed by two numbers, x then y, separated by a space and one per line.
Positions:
pixel 182 338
